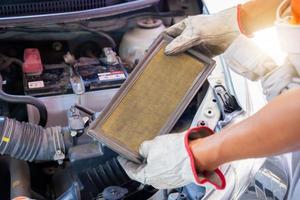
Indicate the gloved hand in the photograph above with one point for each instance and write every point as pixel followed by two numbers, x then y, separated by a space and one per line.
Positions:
pixel 245 58
pixel 280 79
pixel 295 82
pixel 248 60
pixel 170 163
pixel 212 34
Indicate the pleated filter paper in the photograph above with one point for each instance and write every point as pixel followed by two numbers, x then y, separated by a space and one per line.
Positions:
pixel 149 100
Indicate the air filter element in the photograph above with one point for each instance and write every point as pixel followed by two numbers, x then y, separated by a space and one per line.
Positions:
pixel 150 102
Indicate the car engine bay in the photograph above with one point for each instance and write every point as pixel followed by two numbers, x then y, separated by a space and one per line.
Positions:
pixel 55 79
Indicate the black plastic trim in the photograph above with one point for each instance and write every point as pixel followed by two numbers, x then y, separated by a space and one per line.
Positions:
pixel 78 15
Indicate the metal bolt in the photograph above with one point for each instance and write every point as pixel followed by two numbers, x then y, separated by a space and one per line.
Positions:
pixel 59 156
pixel 85 119
pixel 57 46
pixel 73 133
pixel 201 123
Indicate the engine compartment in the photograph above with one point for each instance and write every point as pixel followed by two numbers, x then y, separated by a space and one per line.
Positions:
pixel 73 70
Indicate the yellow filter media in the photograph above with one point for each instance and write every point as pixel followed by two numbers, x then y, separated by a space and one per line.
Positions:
pixel 153 98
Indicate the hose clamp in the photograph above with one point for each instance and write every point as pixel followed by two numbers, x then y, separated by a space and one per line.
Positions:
pixel 59 146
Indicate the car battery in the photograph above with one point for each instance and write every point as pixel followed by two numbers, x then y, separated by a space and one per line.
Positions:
pixel 55 78
pixel 101 78
pixel 97 74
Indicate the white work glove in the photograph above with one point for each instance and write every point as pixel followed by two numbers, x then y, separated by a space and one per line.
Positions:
pixel 280 79
pixel 245 58
pixel 295 82
pixel 211 34
pixel 170 163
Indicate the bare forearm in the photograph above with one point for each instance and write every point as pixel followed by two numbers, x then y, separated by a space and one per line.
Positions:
pixel 258 14
pixel 273 130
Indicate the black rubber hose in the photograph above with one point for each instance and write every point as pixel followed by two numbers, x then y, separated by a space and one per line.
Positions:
pixel 19 177
pixel 96 179
pixel 26 141
pixel 25 100
pixel 30 142
pixel 102 34
pixel 19 173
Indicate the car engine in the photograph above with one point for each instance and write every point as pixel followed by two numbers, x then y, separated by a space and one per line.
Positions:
pixel 55 79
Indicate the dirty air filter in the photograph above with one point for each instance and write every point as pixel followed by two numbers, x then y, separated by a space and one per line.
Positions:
pixel 150 102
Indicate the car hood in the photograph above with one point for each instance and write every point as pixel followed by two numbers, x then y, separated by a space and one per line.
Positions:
pixel 20 12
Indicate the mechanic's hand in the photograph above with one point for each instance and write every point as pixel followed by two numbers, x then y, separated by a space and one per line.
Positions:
pixel 212 34
pixel 247 59
pixel 280 79
pixel 170 162
pixel 295 82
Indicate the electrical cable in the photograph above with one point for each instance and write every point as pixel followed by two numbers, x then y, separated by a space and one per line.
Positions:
pixel 26 100
pixel 101 33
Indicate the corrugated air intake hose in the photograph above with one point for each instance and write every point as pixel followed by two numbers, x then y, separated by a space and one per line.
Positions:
pixel 30 142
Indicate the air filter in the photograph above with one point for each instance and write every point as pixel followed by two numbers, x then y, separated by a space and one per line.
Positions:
pixel 150 102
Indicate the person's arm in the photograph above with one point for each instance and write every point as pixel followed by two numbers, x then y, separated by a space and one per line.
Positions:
pixel 273 130
pixel 213 34
pixel 255 15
